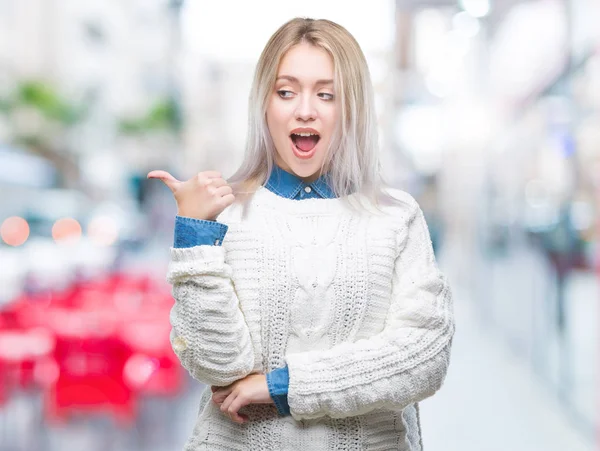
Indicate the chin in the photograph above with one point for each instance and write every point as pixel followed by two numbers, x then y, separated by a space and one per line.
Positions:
pixel 305 171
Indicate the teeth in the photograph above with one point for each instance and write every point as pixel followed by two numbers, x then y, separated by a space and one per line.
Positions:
pixel 306 134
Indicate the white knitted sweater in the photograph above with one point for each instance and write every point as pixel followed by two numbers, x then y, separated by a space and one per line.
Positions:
pixel 353 303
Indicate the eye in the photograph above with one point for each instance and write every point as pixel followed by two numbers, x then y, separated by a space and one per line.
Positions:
pixel 285 94
pixel 326 95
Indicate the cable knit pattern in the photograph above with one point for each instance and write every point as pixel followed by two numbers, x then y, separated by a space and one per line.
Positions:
pixel 353 303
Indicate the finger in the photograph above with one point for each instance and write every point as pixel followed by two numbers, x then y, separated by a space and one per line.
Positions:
pixel 205 181
pixel 224 190
pixel 210 174
pixel 217 182
pixel 220 395
pixel 171 182
pixel 234 404
pixel 227 401
pixel 234 408
pixel 227 200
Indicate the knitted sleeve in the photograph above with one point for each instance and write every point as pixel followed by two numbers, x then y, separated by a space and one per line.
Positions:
pixel 209 333
pixel 405 363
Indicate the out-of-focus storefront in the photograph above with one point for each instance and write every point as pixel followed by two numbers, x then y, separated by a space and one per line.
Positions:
pixel 542 194
pixel 498 113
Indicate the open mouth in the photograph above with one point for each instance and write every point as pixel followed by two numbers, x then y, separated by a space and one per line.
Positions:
pixel 305 142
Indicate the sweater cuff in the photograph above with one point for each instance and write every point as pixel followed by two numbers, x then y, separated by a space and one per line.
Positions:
pixel 190 232
pixel 278 382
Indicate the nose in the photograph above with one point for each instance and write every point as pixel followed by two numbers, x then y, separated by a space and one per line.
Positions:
pixel 306 110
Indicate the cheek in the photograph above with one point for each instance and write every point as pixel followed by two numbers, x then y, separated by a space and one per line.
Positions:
pixel 276 117
pixel 330 118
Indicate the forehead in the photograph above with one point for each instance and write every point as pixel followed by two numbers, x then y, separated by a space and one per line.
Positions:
pixel 306 62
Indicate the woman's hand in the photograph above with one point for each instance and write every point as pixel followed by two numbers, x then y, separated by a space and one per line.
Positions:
pixel 204 196
pixel 252 389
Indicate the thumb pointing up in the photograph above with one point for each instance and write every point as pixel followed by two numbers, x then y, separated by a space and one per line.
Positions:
pixel 204 196
pixel 171 182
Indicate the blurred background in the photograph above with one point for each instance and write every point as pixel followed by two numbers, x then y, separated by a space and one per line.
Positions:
pixel 489 114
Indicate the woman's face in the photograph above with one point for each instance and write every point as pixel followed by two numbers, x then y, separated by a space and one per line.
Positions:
pixel 302 112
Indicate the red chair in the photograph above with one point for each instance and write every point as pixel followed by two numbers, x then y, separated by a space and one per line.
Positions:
pixel 21 350
pixel 107 341
pixel 91 360
pixel 3 372
pixel 153 368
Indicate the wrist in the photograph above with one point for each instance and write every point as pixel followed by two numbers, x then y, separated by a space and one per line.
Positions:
pixel 194 216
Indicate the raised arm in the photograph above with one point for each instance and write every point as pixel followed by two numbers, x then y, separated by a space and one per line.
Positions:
pixel 209 333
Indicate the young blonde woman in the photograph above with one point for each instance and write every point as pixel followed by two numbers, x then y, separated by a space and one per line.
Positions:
pixel 306 293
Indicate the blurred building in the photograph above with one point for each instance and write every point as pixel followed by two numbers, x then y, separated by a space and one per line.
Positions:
pixel 489 114
pixel 499 101
pixel 112 60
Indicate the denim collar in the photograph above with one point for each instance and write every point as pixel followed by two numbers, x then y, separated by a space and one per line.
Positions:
pixel 288 185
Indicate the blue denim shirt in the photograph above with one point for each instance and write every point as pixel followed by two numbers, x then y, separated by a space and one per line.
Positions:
pixel 190 232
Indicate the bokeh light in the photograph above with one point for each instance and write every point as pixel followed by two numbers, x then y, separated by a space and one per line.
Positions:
pixel 14 231
pixel 66 229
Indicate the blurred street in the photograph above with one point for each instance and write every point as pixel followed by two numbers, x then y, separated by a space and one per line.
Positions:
pixel 490 401
pixel 488 114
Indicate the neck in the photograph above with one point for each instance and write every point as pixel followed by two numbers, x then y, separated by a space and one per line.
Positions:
pixel 309 179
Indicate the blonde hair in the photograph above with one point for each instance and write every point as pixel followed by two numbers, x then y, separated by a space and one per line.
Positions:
pixel 352 160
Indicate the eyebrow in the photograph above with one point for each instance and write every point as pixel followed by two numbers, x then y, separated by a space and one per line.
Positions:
pixel 295 80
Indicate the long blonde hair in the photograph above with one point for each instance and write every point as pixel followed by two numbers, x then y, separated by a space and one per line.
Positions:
pixel 352 160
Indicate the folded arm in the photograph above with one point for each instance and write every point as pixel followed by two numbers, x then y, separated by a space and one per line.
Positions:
pixel 403 364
